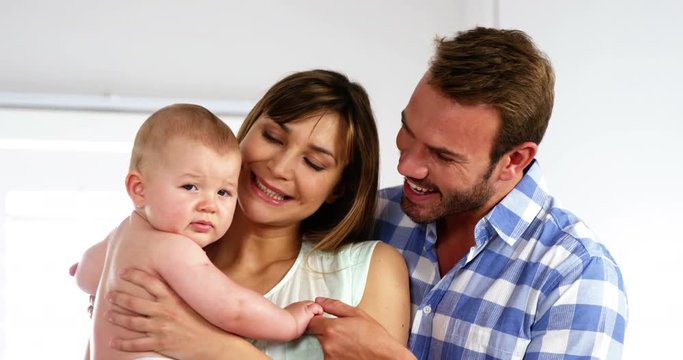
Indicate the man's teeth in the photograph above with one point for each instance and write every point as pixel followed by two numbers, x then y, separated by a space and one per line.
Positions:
pixel 269 192
pixel 417 188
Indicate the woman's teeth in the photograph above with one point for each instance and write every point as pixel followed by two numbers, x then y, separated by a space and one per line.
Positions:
pixel 269 192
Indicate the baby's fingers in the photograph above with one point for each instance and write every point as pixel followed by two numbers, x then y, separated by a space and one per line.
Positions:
pixel 315 308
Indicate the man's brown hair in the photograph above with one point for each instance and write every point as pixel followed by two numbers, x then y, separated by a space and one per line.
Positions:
pixel 502 68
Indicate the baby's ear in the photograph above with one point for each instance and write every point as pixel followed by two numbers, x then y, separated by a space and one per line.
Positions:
pixel 135 188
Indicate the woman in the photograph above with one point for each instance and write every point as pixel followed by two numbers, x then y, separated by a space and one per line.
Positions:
pixel 307 193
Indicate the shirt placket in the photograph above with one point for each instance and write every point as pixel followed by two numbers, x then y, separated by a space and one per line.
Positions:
pixel 440 287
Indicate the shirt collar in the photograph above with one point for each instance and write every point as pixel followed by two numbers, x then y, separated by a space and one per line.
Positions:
pixel 510 218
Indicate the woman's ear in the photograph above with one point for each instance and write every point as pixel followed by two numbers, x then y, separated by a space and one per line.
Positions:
pixel 335 194
pixel 135 188
pixel 516 160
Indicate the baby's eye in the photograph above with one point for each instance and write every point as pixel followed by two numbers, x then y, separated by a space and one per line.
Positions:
pixel 223 192
pixel 189 187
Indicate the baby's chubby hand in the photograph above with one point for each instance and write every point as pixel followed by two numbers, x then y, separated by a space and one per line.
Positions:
pixel 303 312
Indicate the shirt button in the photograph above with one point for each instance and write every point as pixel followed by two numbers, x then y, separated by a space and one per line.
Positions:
pixel 427 309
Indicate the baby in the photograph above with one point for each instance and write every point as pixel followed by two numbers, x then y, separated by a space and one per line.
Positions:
pixel 183 182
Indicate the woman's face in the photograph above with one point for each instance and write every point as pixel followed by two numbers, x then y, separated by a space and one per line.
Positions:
pixel 289 170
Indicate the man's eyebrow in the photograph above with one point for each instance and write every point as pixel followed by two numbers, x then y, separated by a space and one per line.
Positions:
pixel 448 153
pixel 314 147
pixel 435 149
pixel 405 125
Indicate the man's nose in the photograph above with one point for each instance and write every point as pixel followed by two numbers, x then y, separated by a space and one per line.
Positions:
pixel 413 162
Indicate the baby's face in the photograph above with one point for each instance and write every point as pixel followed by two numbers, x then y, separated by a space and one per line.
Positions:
pixel 192 190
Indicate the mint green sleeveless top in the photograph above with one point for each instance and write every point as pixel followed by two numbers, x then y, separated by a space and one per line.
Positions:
pixel 339 275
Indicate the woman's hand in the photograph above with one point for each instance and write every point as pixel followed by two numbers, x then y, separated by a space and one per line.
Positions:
pixel 353 334
pixel 168 325
pixel 378 327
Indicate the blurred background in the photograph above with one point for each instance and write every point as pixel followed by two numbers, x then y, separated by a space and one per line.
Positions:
pixel 77 78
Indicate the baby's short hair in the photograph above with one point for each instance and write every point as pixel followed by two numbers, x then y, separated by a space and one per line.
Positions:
pixel 187 121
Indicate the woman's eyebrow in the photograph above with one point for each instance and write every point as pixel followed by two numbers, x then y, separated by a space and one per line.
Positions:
pixel 322 150
pixel 284 127
pixel 314 147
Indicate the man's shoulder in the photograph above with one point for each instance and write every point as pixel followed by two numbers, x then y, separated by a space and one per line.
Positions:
pixel 392 193
pixel 392 225
pixel 562 227
pixel 389 205
pixel 567 237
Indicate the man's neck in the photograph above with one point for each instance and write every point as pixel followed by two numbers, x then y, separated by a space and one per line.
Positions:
pixel 455 232
pixel 454 239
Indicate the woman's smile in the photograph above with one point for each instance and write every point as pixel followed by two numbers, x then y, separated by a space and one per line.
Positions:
pixel 269 193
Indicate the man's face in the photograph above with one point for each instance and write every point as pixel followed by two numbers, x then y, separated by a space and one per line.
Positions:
pixel 445 149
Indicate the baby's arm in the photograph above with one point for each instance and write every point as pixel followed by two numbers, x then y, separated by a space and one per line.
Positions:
pixel 228 305
pixel 89 269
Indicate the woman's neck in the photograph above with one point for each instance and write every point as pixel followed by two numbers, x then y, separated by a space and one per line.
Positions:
pixel 256 244
pixel 255 256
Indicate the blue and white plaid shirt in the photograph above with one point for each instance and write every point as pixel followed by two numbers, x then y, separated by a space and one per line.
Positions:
pixel 537 285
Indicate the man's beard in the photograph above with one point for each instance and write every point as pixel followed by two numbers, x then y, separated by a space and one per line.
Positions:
pixel 454 202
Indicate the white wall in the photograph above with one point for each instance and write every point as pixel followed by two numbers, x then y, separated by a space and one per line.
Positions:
pixel 61 188
pixel 611 152
pixel 218 50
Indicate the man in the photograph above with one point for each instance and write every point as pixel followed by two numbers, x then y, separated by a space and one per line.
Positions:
pixel 497 269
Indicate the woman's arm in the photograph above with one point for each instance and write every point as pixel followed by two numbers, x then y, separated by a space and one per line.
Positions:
pixel 170 327
pixel 378 327
pixel 387 296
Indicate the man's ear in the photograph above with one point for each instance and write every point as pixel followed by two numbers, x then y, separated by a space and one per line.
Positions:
pixel 516 160
pixel 135 188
